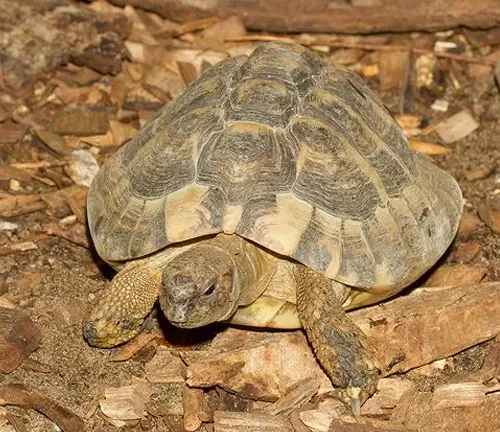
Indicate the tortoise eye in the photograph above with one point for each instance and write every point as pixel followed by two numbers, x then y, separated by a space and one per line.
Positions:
pixel 210 290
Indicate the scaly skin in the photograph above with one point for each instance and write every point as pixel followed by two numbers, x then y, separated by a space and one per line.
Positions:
pixel 119 315
pixel 340 345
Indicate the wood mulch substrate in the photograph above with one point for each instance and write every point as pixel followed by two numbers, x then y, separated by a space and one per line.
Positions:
pixel 77 81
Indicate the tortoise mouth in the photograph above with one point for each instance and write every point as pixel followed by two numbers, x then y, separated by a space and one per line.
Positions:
pixel 183 324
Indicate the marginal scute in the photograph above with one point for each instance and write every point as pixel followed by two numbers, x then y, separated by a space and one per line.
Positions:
pixel 292 153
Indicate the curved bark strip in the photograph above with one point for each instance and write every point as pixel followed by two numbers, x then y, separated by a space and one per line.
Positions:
pixel 343 16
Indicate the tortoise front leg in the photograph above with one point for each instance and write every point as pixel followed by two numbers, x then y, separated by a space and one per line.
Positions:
pixel 120 313
pixel 340 345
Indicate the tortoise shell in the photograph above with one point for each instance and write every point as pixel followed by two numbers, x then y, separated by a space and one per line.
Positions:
pixel 290 152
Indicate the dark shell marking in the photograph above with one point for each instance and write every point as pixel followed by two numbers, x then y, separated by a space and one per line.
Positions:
pixel 290 152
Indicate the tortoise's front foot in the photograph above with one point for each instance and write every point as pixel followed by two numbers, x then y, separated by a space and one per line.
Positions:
pixel 340 346
pixel 120 314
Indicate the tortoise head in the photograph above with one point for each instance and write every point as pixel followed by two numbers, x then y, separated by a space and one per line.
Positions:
pixel 199 287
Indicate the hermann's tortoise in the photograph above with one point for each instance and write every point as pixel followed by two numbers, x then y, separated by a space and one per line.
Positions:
pixel 274 179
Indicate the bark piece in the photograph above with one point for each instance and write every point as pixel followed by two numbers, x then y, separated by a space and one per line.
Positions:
pixel 296 397
pixel 254 365
pixel 225 421
pixel 360 16
pixel 8 172
pixel 469 223
pixel 17 205
pixel 481 172
pixel 428 148
pixel 490 216
pixel 466 252
pixel 389 392
pixel 229 28
pixel 417 412
pixel 459 395
pixel 165 367
pixel 19 337
pixel 449 275
pixel 80 122
pixel 393 69
pixel 192 402
pixel 421 327
pixel 131 348
pixel 53 141
pixel 23 396
pixel 320 418
pixel 121 132
pixel 75 234
pixel 456 127
pixel 12 132
pixel 126 403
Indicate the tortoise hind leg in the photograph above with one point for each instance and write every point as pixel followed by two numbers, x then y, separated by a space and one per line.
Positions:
pixel 340 345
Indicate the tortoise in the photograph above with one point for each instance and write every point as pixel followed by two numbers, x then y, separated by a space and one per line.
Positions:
pixel 276 191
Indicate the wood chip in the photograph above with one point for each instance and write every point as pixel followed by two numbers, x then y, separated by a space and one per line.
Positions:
pixel 416 412
pixel 17 205
pixel 23 396
pixel 126 403
pixel 80 123
pixel 12 132
pixel 130 349
pixel 469 223
pixel 346 56
pixel 421 327
pixel 121 132
pixel 53 141
pixel 457 127
pixel 232 27
pixel 76 197
pixel 8 172
pixel 429 148
pixel 490 216
pixel 75 234
pixel 165 367
pixel 450 275
pixel 393 69
pixel 297 396
pixel 19 337
pixel 440 105
pixel 101 140
pixel 192 401
pixel 225 421
pixel 273 362
pixel 481 172
pixel 17 247
pixel 389 392
pixel 408 121
pixel 466 252
pixel 459 395
pixel 188 72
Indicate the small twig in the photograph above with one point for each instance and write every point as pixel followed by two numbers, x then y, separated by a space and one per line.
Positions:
pixel 36 165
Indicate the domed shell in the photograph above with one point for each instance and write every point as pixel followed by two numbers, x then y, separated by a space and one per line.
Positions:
pixel 290 152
